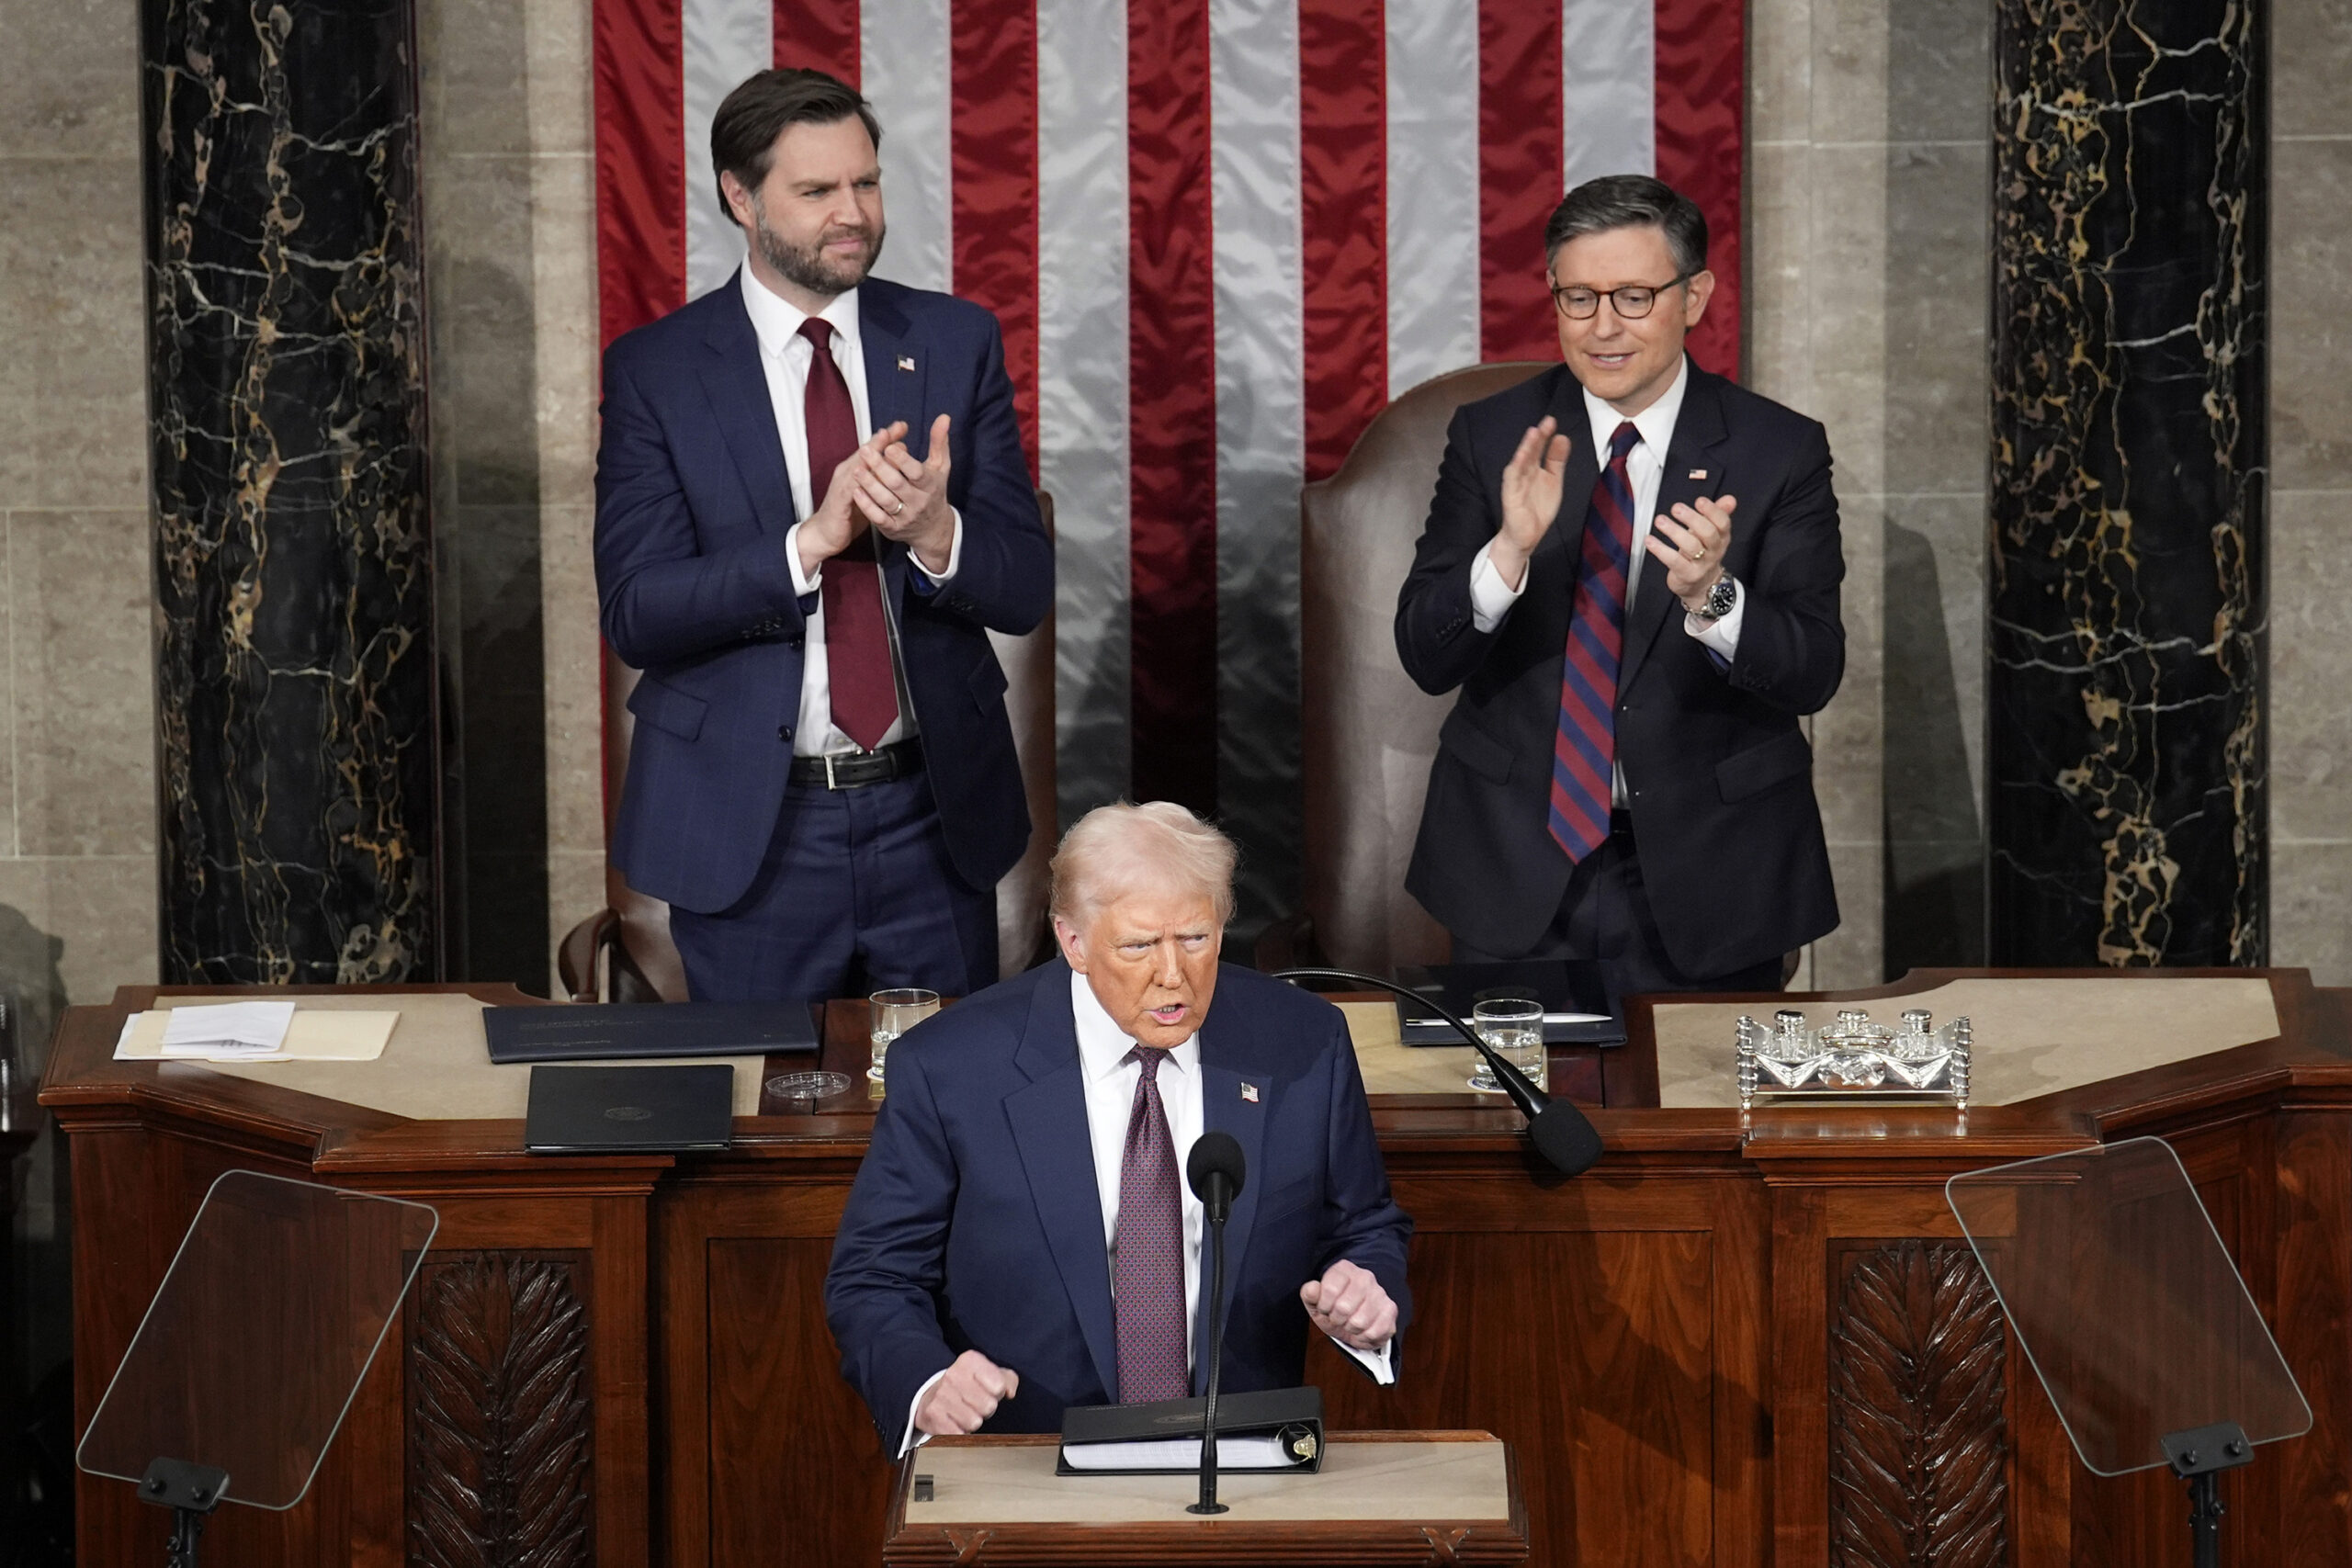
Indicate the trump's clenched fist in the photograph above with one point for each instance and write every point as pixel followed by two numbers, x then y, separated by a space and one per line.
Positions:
pixel 1348 1304
pixel 966 1395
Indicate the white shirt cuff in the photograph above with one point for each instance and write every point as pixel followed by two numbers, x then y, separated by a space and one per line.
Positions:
pixel 804 583
pixel 1723 635
pixel 955 554
pixel 1491 597
pixel 1379 1363
pixel 916 1437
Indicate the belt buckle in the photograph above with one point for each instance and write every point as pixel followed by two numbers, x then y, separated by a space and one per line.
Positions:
pixel 828 772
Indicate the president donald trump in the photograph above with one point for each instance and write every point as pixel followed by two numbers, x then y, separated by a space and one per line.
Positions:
pixel 1020 1238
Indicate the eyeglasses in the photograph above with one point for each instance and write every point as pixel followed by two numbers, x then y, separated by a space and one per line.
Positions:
pixel 1631 303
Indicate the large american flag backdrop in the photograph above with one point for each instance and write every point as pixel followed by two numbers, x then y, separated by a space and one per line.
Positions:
pixel 1220 234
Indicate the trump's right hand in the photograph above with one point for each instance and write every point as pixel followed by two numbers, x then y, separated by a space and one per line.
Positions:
pixel 1531 498
pixel 966 1395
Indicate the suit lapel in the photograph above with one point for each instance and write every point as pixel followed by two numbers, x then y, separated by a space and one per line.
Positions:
pixel 1235 1095
pixel 896 370
pixel 1049 1128
pixel 1698 431
pixel 738 390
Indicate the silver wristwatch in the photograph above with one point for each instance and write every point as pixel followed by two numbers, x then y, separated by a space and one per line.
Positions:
pixel 1720 599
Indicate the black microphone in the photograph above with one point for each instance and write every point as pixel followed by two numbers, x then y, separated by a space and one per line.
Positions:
pixel 1216 1170
pixel 1558 1130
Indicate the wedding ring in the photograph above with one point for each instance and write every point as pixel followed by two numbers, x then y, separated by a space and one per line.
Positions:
pixel 896 507
pixel 1699 555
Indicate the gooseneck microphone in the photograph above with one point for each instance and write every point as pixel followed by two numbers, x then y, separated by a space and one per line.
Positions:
pixel 1568 1141
pixel 1216 1170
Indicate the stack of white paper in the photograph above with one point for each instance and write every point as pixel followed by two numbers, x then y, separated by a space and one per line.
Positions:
pixel 231 1031
pixel 1179 1453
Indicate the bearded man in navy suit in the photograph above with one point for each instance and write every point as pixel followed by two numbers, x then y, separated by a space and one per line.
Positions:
pixel 1630 572
pixel 1019 1238
pixel 812 506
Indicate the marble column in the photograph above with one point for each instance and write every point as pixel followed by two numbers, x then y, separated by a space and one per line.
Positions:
pixel 293 565
pixel 2125 734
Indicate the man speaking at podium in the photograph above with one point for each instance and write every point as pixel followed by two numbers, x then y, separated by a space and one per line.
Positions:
pixel 1021 1239
pixel 1630 570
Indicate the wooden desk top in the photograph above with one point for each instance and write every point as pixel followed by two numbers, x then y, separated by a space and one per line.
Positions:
pixel 1379 1497
pixel 2310 1050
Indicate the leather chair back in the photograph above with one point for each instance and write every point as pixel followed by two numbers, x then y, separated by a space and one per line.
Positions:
pixel 1028 661
pixel 1368 734
pixel 646 966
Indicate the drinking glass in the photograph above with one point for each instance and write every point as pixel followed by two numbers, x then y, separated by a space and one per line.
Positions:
pixel 896 1011
pixel 1514 1027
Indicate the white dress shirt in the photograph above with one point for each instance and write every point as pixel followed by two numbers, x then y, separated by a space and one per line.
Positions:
pixel 784 359
pixel 1491 598
pixel 1111 1080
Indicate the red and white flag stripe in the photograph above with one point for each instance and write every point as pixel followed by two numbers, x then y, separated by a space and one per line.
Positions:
pixel 1220 235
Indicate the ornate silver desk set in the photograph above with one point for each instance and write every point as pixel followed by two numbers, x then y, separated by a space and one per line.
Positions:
pixel 1853 1058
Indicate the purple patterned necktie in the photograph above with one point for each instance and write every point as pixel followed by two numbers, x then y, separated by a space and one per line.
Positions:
pixel 1586 745
pixel 1147 1278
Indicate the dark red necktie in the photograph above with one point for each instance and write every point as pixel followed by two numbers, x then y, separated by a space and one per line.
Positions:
pixel 1585 746
pixel 1147 1278
pixel 857 645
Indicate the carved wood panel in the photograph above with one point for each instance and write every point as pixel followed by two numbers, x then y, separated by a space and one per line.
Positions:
pixel 1918 1443
pixel 499 1412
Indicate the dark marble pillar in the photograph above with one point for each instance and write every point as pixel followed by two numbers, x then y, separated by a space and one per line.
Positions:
pixel 2125 738
pixel 293 564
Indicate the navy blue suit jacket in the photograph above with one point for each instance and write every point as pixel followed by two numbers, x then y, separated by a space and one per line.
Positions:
pixel 692 507
pixel 1719 775
pixel 976 1221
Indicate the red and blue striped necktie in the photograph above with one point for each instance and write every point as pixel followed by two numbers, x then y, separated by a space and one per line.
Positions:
pixel 1585 746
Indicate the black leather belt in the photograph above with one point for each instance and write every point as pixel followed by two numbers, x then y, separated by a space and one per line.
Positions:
pixel 853 769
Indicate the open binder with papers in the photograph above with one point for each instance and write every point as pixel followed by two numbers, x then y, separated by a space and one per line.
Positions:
pixel 1272 1429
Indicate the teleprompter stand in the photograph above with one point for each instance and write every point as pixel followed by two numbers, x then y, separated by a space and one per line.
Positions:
pixel 254 1343
pixel 191 1492
pixel 2198 1458
pixel 2125 1301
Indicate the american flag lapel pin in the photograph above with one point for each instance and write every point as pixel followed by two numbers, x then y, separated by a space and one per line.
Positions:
pixel 1249 1092
pixel 1695 473
pixel 906 362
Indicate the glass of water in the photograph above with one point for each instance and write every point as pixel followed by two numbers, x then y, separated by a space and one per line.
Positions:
pixel 1514 1027
pixel 894 1012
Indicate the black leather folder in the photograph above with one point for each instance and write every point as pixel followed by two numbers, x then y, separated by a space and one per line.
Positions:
pixel 1269 1430
pixel 621 1031
pixel 604 1109
pixel 1566 986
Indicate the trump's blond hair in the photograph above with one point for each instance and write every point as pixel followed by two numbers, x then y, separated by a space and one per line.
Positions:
pixel 1156 847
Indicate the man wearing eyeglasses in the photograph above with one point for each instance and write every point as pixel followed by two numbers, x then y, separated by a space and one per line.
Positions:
pixel 1630 571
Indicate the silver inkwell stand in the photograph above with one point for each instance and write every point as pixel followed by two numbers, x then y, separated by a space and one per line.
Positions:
pixel 1853 1059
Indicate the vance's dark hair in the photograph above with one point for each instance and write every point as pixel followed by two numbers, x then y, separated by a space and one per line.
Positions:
pixel 743 131
pixel 1630 201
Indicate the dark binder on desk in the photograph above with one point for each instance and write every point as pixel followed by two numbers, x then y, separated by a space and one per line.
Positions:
pixel 619 1032
pixel 1580 1006
pixel 609 1109
pixel 1269 1430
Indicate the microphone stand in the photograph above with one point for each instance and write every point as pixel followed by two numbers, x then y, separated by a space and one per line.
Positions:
pixel 1216 1213
pixel 1530 1100
pixel 1561 1132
